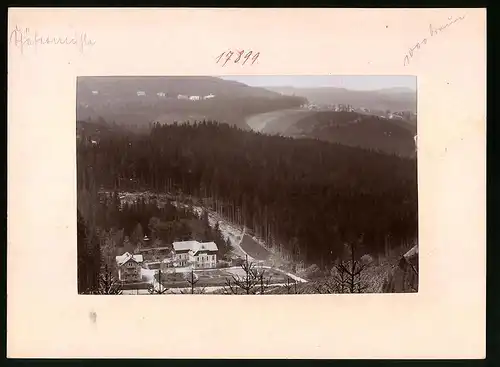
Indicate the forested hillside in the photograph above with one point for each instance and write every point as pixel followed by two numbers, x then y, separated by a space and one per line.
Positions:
pixel 307 196
pixel 358 130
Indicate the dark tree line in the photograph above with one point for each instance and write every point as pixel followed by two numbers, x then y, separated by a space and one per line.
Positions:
pixel 302 196
pixel 89 258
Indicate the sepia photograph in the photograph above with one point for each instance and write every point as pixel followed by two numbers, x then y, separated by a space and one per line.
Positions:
pixel 247 185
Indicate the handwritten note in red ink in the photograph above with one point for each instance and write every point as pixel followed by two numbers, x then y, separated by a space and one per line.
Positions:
pixel 237 56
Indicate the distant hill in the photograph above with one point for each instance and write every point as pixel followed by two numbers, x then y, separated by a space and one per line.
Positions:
pixel 357 130
pixel 393 99
pixel 137 101
pixel 396 90
pixel 123 88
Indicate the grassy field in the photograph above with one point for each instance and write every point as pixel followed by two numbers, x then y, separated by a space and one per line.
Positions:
pixel 216 277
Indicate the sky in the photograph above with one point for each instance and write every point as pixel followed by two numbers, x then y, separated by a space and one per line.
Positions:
pixel 354 82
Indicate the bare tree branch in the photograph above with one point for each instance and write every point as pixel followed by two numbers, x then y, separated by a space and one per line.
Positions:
pixel 192 281
pixel 251 280
pixel 161 288
pixel 229 288
pixel 108 284
pixel 318 288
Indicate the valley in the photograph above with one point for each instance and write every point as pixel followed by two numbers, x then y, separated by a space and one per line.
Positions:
pixel 240 187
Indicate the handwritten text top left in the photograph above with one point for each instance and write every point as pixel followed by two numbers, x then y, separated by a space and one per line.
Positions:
pixel 24 38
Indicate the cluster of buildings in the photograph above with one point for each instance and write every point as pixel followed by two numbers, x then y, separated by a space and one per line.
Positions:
pixel 179 96
pixel 192 254
pixel 310 106
pixel 195 98
pixel 330 107
pixel 342 108
pixel 401 115
pixel 141 93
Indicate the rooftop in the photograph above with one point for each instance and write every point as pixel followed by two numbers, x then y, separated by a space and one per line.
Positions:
pixel 120 260
pixel 194 246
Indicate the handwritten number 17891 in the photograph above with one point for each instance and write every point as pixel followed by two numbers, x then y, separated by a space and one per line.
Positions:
pixel 239 56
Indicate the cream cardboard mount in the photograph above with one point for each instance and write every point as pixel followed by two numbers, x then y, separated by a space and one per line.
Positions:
pixel 49 48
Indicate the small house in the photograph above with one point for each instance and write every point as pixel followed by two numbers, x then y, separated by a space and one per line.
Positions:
pixel 129 267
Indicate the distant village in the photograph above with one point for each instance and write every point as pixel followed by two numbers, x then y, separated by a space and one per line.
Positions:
pixel 141 93
pixel 396 115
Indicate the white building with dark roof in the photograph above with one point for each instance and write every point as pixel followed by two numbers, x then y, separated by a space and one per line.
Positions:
pixel 196 254
pixel 129 267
